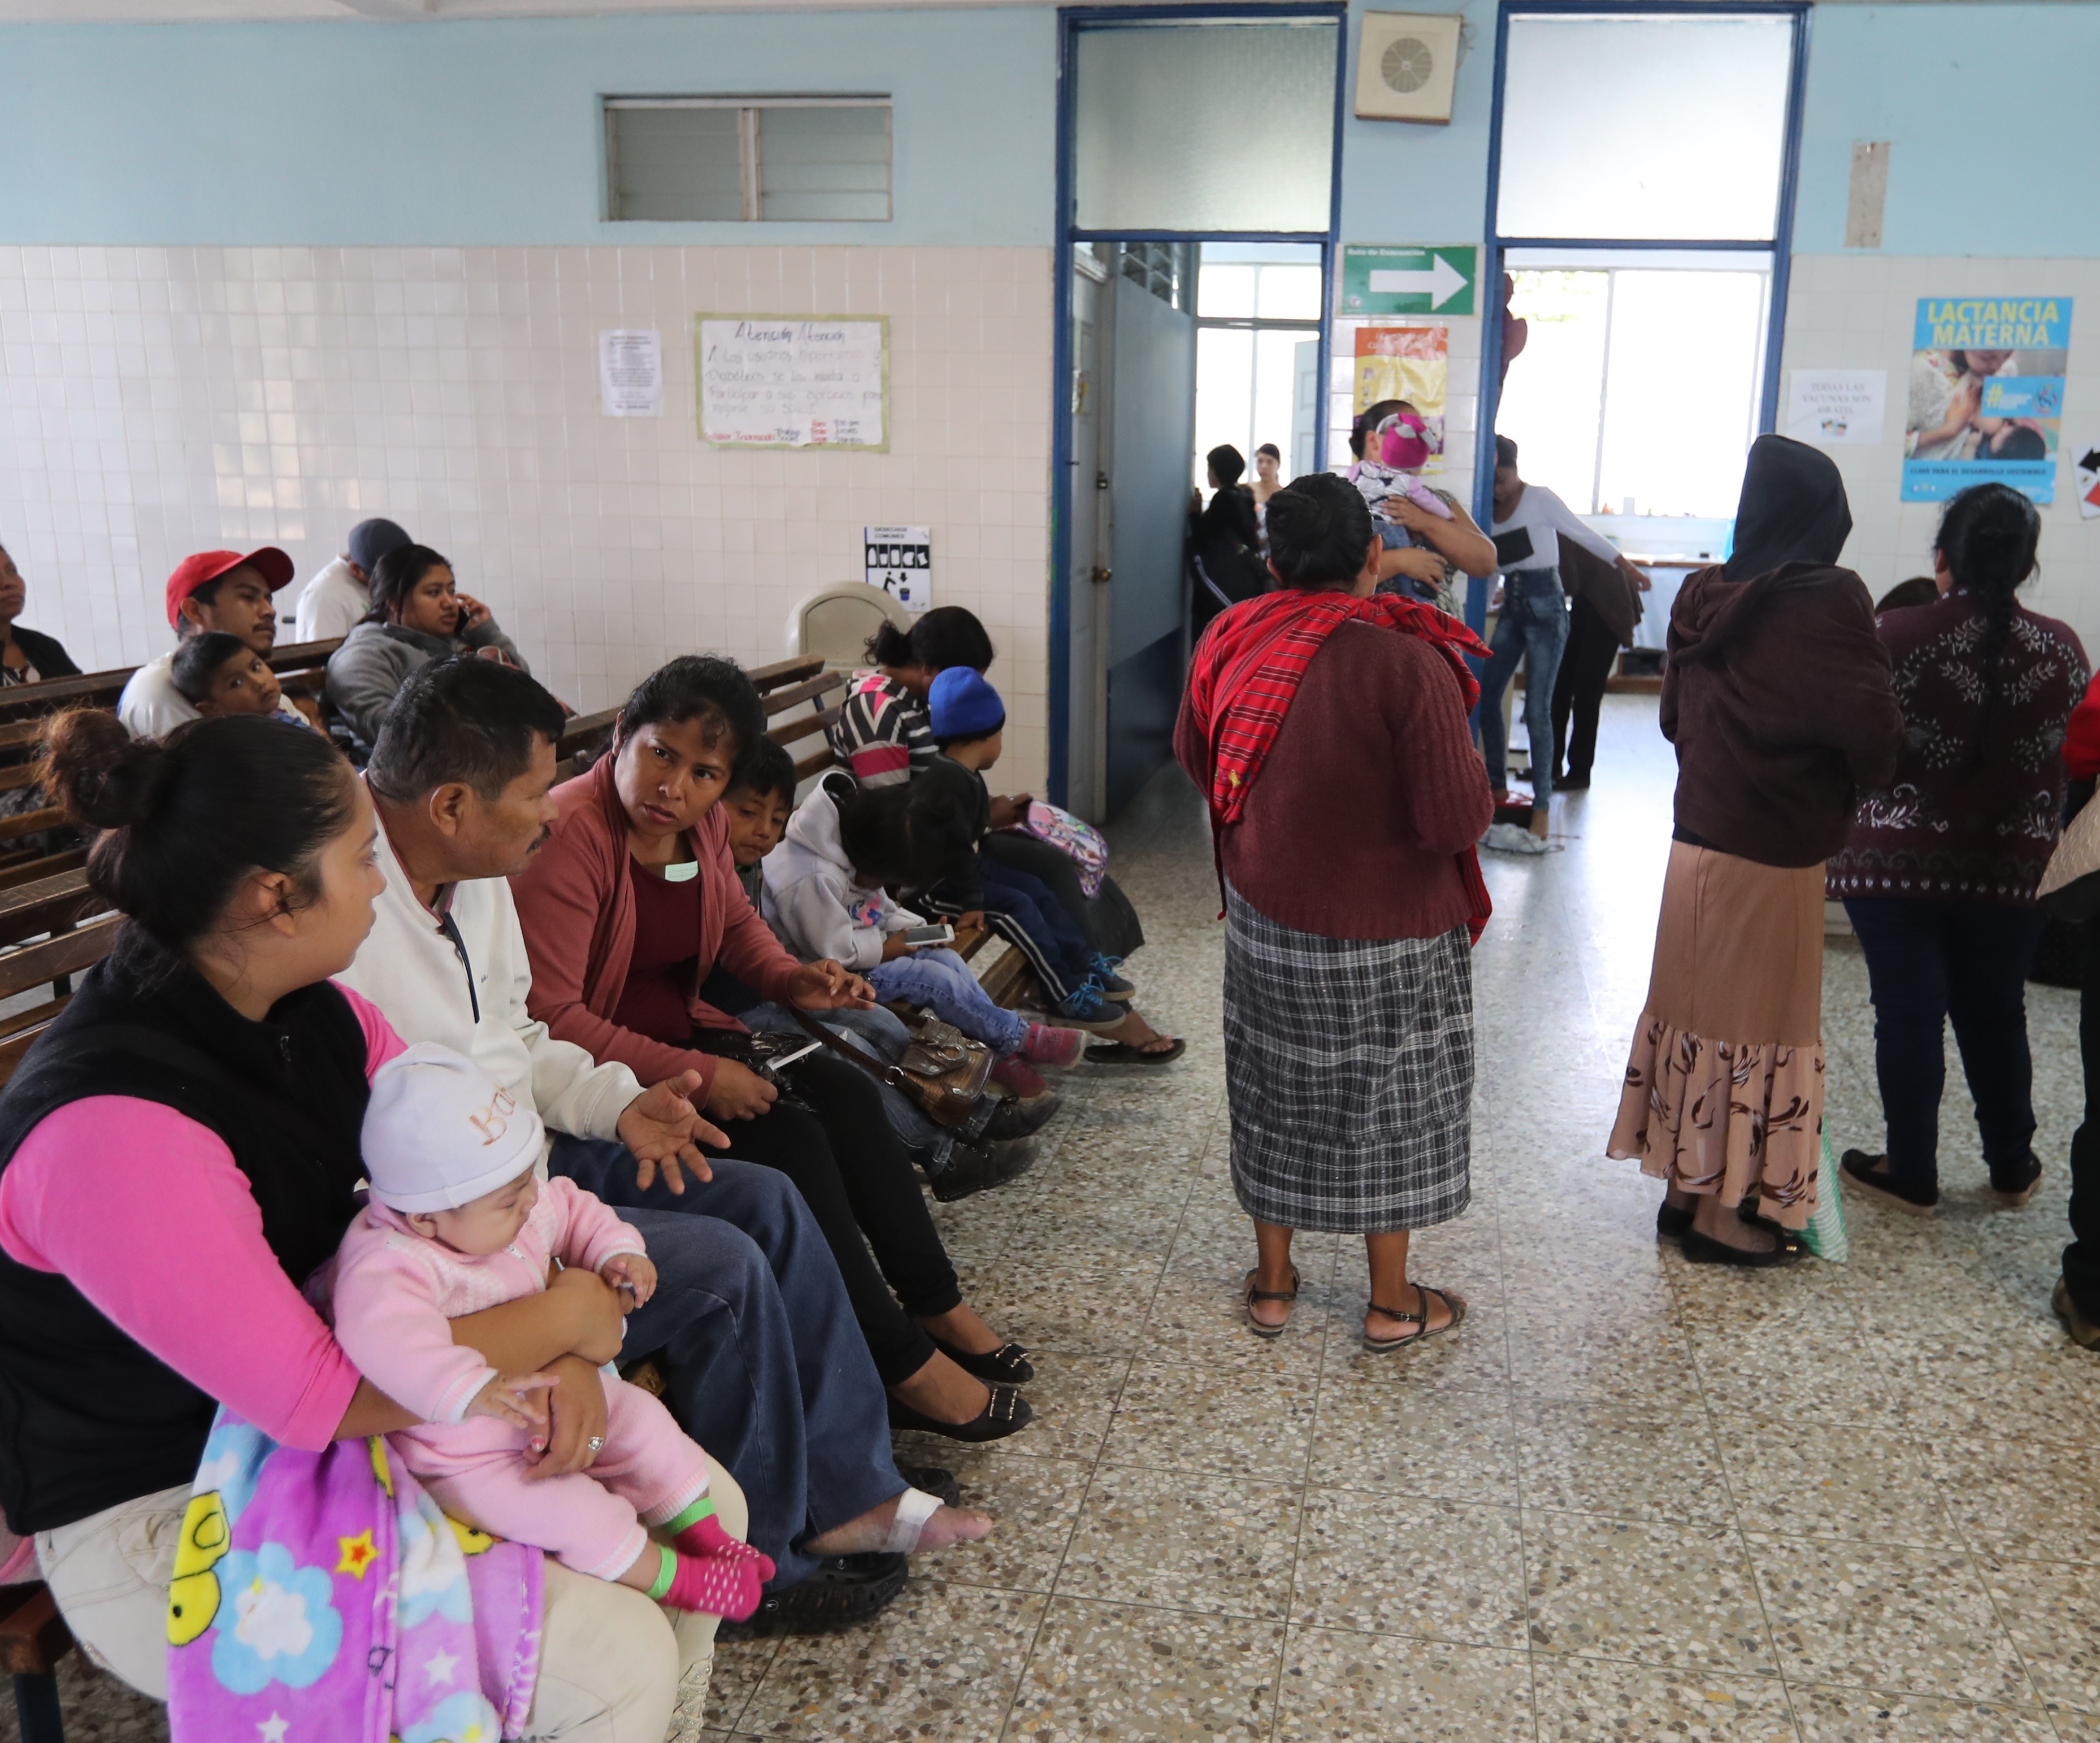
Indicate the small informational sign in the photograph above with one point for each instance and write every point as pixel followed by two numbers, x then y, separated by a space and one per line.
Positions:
pixel 2089 485
pixel 1986 395
pixel 1829 407
pixel 1411 363
pixel 630 372
pixel 900 562
pixel 1428 280
pixel 793 381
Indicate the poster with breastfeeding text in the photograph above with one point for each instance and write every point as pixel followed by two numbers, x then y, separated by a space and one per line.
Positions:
pixel 1986 395
pixel 1411 363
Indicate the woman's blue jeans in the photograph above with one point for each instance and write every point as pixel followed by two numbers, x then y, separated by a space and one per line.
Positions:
pixel 1532 630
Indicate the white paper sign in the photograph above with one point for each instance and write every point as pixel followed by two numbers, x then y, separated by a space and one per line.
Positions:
pixel 900 562
pixel 1834 406
pixel 630 372
pixel 794 381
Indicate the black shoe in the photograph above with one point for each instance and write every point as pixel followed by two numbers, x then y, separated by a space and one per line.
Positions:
pixel 1017 1117
pixel 2019 1186
pixel 844 1591
pixel 1007 1366
pixel 934 1481
pixel 1672 1224
pixel 1572 783
pixel 1703 1249
pixel 1859 1168
pixel 1007 1413
pixel 976 1167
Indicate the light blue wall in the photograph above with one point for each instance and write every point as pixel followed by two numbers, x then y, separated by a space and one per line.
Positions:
pixel 1986 106
pixel 1406 181
pixel 489 132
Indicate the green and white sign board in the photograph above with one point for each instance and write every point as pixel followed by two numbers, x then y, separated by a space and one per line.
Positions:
pixel 1408 280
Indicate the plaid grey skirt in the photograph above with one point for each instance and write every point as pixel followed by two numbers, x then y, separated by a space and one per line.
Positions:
pixel 1349 1071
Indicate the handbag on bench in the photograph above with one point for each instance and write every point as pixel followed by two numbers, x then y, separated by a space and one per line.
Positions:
pixel 943 1072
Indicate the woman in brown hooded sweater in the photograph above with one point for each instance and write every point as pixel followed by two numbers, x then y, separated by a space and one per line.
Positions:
pixel 1778 699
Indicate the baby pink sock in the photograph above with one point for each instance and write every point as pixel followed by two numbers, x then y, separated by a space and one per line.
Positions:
pixel 717 1585
pixel 705 1538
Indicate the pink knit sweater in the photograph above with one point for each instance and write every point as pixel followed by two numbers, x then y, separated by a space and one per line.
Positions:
pixel 575 903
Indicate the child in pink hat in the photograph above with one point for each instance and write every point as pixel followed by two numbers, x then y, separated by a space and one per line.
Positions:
pixel 459 1222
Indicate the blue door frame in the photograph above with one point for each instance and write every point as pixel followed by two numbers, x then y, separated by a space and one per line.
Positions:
pixel 1779 247
pixel 1071 20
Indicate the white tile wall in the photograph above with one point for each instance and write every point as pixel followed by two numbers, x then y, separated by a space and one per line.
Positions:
pixel 1858 311
pixel 158 401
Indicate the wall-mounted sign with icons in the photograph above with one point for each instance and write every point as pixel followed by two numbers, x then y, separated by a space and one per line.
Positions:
pixel 900 562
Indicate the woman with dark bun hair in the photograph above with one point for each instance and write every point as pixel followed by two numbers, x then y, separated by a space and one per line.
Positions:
pixel 1939 874
pixel 1323 713
pixel 179 1150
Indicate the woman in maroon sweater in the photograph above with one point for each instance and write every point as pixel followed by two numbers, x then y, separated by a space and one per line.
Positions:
pixel 1328 729
pixel 1777 698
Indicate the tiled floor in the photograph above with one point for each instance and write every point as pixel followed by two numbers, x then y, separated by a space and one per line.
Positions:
pixel 1627 1500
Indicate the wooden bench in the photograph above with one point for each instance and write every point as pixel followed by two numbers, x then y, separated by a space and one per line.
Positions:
pixel 33 1638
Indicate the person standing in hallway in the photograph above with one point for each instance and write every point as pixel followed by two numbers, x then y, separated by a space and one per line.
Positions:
pixel 2076 1296
pixel 1322 713
pixel 1778 698
pixel 1939 872
pixel 1227 540
pixel 1532 630
pixel 1603 605
pixel 334 602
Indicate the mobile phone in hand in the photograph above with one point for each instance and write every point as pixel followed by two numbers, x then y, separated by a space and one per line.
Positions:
pixel 919 936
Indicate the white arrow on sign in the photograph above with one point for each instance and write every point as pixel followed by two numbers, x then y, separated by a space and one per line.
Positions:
pixel 1440 283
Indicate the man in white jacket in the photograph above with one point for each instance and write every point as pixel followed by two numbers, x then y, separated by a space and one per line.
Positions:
pixel 768 1368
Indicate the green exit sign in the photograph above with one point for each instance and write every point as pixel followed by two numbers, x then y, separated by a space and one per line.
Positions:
pixel 1428 280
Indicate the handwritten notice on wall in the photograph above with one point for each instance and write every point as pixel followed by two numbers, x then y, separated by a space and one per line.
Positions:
pixel 793 381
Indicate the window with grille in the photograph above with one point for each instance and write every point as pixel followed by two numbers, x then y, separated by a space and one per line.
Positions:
pixel 782 160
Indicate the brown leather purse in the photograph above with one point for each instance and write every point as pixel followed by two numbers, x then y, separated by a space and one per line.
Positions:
pixel 943 1072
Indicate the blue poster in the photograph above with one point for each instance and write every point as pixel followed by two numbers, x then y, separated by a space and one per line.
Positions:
pixel 1986 395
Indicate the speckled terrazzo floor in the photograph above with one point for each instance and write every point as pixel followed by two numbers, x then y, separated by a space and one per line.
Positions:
pixel 1628 1500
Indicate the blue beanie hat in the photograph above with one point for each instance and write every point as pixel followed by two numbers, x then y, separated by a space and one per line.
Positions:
pixel 963 706
pixel 370 540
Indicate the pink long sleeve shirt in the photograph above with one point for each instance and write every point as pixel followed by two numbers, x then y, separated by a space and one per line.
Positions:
pixel 395 1291
pixel 148 1215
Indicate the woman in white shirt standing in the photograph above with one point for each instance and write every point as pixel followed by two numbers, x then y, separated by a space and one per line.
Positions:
pixel 1531 631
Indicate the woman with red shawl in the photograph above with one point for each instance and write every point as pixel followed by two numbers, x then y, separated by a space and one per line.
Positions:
pixel 1328 729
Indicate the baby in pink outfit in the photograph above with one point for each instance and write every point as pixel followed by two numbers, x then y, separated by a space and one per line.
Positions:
pixel 458 1222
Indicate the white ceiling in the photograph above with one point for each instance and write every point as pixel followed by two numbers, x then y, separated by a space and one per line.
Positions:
pixel 190 12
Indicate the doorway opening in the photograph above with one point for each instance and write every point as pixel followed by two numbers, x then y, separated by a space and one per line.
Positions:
pixel 1258 318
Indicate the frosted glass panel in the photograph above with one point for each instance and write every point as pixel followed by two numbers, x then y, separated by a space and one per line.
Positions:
pixel 1209 126
pixel 1644 127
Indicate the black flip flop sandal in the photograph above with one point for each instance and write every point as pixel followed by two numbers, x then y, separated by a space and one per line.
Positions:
pixel 1122 1053
pixel 844 1592
pixel 1006 1366
pixel 1007 1413
pixel 930 1479
pixel 1254 1295
pixel 1380 1346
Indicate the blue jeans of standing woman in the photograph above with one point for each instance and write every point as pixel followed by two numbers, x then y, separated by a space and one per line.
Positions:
pixel 1927 962
pixel 1532 629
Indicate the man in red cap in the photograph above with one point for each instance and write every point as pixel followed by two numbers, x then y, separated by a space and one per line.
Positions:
pixel 220 590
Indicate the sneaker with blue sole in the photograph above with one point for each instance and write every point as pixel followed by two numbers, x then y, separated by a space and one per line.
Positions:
pixel 1102 970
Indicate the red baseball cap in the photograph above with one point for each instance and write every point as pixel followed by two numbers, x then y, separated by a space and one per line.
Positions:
pixel 193 572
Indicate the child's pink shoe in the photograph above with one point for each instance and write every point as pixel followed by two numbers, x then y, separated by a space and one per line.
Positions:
pixel 1046 1045
pixel 1017 1077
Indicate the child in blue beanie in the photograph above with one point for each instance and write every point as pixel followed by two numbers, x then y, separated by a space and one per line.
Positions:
pixel 968 723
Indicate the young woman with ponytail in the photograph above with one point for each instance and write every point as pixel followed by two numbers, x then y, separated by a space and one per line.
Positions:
pixel 178 1152
pixel 1939 872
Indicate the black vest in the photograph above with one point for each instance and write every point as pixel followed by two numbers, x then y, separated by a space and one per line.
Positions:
pixel 88 1419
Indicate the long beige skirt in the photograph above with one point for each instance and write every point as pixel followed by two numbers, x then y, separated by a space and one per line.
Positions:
pixel 1724 1085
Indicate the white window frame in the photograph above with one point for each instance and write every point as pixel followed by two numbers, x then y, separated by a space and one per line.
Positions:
pixel 749 135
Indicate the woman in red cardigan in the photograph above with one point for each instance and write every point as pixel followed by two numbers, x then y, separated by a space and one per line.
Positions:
pixel 630 907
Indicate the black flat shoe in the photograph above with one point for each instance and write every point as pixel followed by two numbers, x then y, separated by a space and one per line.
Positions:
pixel 2018 1190
pixel 1016 1116
pixel 1672 1224
pixel 1859 1168
pixel 1007 1413
pixel 930 1479
pixel 844 1591
pixel 1006 1366
pixel 978 1168
pixel 1703 1249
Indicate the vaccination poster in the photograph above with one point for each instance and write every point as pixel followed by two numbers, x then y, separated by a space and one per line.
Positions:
pixel 1406 362
pixel 1986 395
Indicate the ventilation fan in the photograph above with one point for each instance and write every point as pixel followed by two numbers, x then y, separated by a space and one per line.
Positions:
pixel 1405 66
